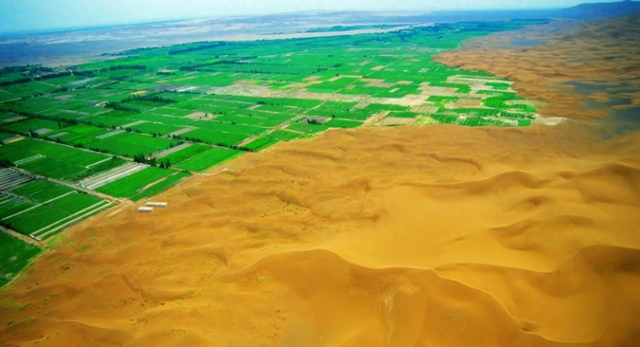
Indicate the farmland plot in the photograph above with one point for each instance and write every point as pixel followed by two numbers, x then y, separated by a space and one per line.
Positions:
pixel 41 208
pixel 209 158
pixel 129 145
pixel 15 255
pixel 135 183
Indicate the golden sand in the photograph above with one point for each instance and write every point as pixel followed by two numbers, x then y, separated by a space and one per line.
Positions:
pixel 406 236
pixel 435 236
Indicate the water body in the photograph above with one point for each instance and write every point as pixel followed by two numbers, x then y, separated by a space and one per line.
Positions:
pixel 627 115
pixel 612 102
pixel 583 88
pixel 624 120
pixel 588 88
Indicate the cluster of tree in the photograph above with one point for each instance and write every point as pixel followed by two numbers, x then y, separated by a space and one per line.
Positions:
pixel 197 66
pixel 36 78
pixel 61 90
pixel 127 67
pixel 5 162
pixel 130 130
pixel 165 164
pixel 209 65
pixel 237 148
pixel 119 107
pixel 153 98
pixel 197 48
pixel 350 27
pixel 84 73
pixel 16 81
pixel 255 71
pixel 141 158
pixel 62 123
pixel 219 144
pixel 26 68
pixel 139 132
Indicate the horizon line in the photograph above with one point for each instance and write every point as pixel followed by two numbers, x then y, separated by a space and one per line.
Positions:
pixel 5 34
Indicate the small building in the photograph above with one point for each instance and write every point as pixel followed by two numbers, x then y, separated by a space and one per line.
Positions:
pixel 156 204
pixel 145 209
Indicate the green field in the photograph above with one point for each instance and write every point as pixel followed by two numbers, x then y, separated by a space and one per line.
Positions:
pixel 161 186
pixel 15 255
pixel 39 207
pixel 49 159
pixel 129 144
pixel 307 128
pixel 211 157
pixel 183 154
pixel 135 183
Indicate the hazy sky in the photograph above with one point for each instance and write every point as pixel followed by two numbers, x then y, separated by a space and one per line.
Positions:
pixel 20 15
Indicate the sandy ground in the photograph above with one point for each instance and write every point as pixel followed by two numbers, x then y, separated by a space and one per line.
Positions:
pixel 403 236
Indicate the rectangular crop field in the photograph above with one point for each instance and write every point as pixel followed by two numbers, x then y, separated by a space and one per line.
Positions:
pixel 129 144
pixel 15 255
pixel 209 158
pixel 161 186
pixel 135 183
pixel 40 207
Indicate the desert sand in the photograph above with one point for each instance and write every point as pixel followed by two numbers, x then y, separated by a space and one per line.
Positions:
pixel 404 236
pixel 605 54
pixel 373 237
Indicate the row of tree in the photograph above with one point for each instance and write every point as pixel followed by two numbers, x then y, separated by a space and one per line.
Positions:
pixel 143 159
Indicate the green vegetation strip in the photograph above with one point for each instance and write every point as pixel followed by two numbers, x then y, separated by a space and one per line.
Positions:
pixel 209 158
pixel 134 184
pixel 161 186
pixel 15 255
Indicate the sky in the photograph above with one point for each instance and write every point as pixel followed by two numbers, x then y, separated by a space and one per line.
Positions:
pixel 26 15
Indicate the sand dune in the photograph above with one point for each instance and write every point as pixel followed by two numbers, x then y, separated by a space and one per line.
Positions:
pixel 601 54
pixel 372 237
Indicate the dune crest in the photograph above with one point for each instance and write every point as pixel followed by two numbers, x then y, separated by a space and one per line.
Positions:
pixel 376 237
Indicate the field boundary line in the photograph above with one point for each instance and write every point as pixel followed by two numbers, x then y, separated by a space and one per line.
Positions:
pixel 98 162
pixel 36 206
pixel 90 208
pixel 21 237
pixel 75 187
pixel 29 159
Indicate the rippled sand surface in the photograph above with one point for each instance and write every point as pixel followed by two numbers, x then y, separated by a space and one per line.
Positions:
pixel 435 236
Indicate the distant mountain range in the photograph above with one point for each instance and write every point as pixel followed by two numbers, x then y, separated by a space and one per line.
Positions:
pixel 583 11
pixel 601 10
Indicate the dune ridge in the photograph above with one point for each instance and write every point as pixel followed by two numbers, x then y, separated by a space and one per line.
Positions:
pixel 376 237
